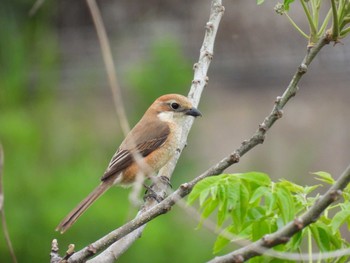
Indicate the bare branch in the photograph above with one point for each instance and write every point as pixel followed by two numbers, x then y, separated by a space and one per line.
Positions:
pixel 108 60
pixel 35 7
pixel 284 234
pixel 199 82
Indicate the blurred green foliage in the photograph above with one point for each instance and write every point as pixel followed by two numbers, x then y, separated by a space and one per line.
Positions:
pixel 166 70
pixel 28 54
pixel 55 151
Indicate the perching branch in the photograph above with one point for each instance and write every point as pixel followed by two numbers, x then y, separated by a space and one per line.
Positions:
pixel 284 234
pixel 199 82
pixel 259 136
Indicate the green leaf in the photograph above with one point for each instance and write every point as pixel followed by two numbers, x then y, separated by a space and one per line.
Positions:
pixel 206 183
pixel 270 201
pixel 309 189
pixel 222 239
pixel 257 213
pixel 321 237
pixel 214 192
pixel 285 204
pixel 255 177
pixel 258 193
pixel 239 211
pixel 295 241
pixel 260 228
pixel 232 195
pixel 259 2
pixel 325 239
pixel 203 195
pixel 292 187
pixel 324 177
pixel 286 4
pixel 209 206
pixel 222 212
pixel 339 219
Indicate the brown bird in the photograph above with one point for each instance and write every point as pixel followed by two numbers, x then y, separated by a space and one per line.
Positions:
pixel 145 150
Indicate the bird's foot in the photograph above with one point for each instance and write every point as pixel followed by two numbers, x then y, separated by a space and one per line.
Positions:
pixel 150 193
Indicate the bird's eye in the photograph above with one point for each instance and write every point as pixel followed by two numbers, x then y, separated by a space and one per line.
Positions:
pixel 174 105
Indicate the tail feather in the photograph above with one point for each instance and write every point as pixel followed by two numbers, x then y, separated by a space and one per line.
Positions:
pixel 73 216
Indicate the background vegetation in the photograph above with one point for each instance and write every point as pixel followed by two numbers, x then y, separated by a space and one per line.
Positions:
pixel 58 127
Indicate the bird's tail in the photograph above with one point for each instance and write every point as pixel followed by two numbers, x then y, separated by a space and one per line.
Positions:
pixel 70 219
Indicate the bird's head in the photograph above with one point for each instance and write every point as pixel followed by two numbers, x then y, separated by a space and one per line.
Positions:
pixel 174 107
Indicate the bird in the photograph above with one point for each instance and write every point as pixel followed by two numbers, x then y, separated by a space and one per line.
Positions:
pixel 145 150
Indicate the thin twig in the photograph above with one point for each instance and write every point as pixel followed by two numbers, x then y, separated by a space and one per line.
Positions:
pixel 108 60
pixel 35 7
pixel 2 209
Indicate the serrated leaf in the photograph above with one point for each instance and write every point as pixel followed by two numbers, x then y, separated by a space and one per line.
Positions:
pixel 258 193
pixel 310 189
pixel 258 178
pixel 222 239
pixel 339 219
pixel 257 213
pixel 270 201
pixel 214 192
pixel 232 195
pixel 322 234
pixel 209 206
pixel 239 211
pixel 320 237
pixel 285 204
pixel 295 188
pixel 259 229
pixel 295 241
pixel 206 183
pixel 222 208
pixel 221 192
pixel 203 195
pixel 324 177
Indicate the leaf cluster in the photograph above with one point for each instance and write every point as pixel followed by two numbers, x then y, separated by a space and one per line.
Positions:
pixel 249 205
pixel 339 12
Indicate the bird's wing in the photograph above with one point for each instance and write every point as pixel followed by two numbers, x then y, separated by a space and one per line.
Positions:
pixel 151 139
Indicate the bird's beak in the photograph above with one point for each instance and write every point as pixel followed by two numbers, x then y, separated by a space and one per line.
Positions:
pixel 193 112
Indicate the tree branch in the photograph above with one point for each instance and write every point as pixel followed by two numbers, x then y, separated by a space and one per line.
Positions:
pixel 109 64
pixel 259 136
pixel 199 82
pixel 284 234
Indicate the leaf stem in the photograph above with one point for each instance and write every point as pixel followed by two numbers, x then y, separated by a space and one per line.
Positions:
pixel 313 30
pixel 315 6
pixel 322 29
pixel 335 29
pixel 296 26
pixel 309 244
pixel 345 32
